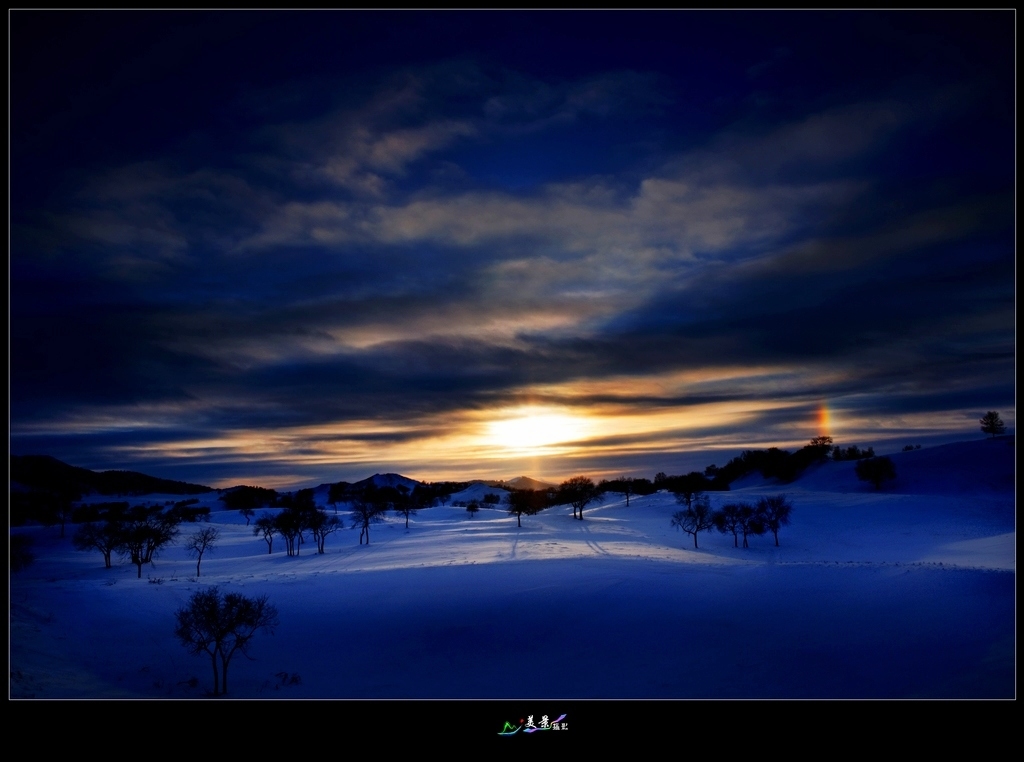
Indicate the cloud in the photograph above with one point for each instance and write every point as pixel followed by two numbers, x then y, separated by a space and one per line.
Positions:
pixel 314 279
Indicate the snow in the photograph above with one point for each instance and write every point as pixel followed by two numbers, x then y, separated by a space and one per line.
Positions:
pixel 477 491
pixel 906 592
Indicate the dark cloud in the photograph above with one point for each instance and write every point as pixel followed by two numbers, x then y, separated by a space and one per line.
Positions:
pixel 279 222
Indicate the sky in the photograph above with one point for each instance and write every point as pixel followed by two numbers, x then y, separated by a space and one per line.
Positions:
pixel 285 248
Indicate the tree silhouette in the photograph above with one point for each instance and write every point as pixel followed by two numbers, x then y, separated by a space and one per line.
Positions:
pixel 738 517
pixel 992 424
pixel 337 493
pixel 403 503
pixel 321 525
pixel 144 531
pixel 248 497
pixel 369 508
pixel 578 491
pixel 876 470
pixel 106 538
pixel 524 501
pixel 688 488
pixel 694 519
pixel 728 520
pixel 266 526
pixel 750 522
pixel 774 512
pixel 62 506
pixel 289 523
pixel 624 485
pixel 221 626
pixel 201 542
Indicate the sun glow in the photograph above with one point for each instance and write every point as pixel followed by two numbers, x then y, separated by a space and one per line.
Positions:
pixel 824 420
pixel 530 429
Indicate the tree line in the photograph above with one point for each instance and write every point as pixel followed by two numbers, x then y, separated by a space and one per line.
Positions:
pixel 138 533
pixel 769 514
pixel 368 505
pixel 771 463
pixel 301 514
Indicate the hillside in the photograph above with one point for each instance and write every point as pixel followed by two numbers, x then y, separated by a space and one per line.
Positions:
pixel 869 595
pixel 387 480
pixel 981 466
pixel 42 472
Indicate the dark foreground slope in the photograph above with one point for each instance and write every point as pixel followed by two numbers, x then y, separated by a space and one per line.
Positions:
pixel 41 472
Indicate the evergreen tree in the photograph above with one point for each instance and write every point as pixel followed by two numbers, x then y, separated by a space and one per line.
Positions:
pixel 992 424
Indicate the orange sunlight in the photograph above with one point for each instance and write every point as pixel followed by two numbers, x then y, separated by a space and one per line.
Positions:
pixel 527 430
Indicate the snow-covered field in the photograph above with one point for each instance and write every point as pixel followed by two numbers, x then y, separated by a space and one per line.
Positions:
pixel 909 592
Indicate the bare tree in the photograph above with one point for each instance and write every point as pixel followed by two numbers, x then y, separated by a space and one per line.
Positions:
pixel 145 530
pixel 221 626
pixel 265 525
pixel 62 509
pixel 520 502
pixel 750 521
pixel 688 488
pixel 404 504
pixel 627 487
pixel 694 519
pixel 321 525
pixel 289 523
pixel 106 538
pixel 579 491
pixel 248 513
pixel 369 508
pixel 201 542
pixel 775 512
pixel 736 518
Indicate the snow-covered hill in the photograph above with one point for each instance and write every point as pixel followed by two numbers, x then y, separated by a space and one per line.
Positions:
pixel 477 491
pixel 388 480
pixel 981 466
pixel 870 594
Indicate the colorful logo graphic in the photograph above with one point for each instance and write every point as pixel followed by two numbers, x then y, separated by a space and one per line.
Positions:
pixel 528 725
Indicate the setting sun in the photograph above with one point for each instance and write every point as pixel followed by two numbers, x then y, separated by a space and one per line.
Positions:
pixel 528 429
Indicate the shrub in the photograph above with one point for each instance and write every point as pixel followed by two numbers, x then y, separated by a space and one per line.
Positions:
pixel 876 471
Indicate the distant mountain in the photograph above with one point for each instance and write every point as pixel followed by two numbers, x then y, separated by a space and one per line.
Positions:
pixel 522 482
pixel 41 472
pixel 387 480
